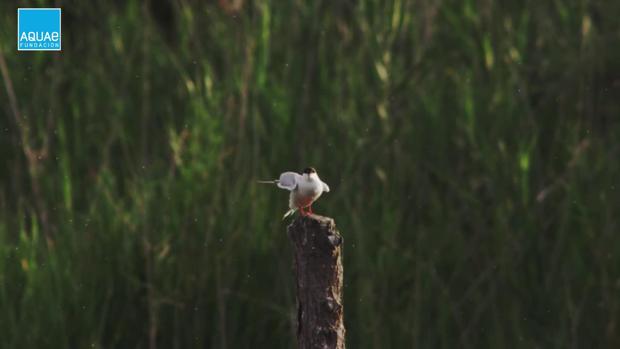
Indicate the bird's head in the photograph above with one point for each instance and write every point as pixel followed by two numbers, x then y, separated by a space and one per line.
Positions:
pixel 309 172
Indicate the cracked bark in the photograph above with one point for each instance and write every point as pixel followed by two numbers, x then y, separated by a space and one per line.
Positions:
pixel 318 270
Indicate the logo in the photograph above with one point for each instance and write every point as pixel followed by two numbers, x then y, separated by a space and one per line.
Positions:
pixel 38 29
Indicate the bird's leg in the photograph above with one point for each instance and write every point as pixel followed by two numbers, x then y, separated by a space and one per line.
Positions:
pixel 301 211
pixel 310 209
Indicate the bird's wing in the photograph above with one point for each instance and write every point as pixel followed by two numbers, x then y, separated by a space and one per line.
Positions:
pixel 289 180
pixel 325 187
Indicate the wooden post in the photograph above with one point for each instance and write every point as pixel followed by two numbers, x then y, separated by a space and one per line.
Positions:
pixel 318 269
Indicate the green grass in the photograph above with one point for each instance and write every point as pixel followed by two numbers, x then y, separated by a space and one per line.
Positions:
pixel 471 147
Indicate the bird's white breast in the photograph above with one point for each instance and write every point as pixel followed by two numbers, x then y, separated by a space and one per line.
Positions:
pixel 308 190
pixel 311 187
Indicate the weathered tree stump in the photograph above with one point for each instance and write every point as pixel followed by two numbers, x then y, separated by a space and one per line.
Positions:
pixel 318 269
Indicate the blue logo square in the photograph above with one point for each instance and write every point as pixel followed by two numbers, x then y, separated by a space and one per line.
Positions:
pixel 38 29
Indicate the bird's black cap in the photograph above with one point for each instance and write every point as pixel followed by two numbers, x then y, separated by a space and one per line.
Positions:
pixel 309 170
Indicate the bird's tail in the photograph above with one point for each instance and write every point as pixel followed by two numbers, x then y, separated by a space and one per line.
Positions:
pixel 288 213
pixel 275 181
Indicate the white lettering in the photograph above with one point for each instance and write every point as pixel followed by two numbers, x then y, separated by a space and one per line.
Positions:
pixel 39 36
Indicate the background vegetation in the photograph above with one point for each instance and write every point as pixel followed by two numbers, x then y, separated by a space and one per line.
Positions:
pixel 471 146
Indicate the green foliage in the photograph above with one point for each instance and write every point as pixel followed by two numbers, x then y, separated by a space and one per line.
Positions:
pixel 471 147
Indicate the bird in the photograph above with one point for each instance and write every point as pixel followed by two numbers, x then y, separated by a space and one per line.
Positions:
pixel 305 189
